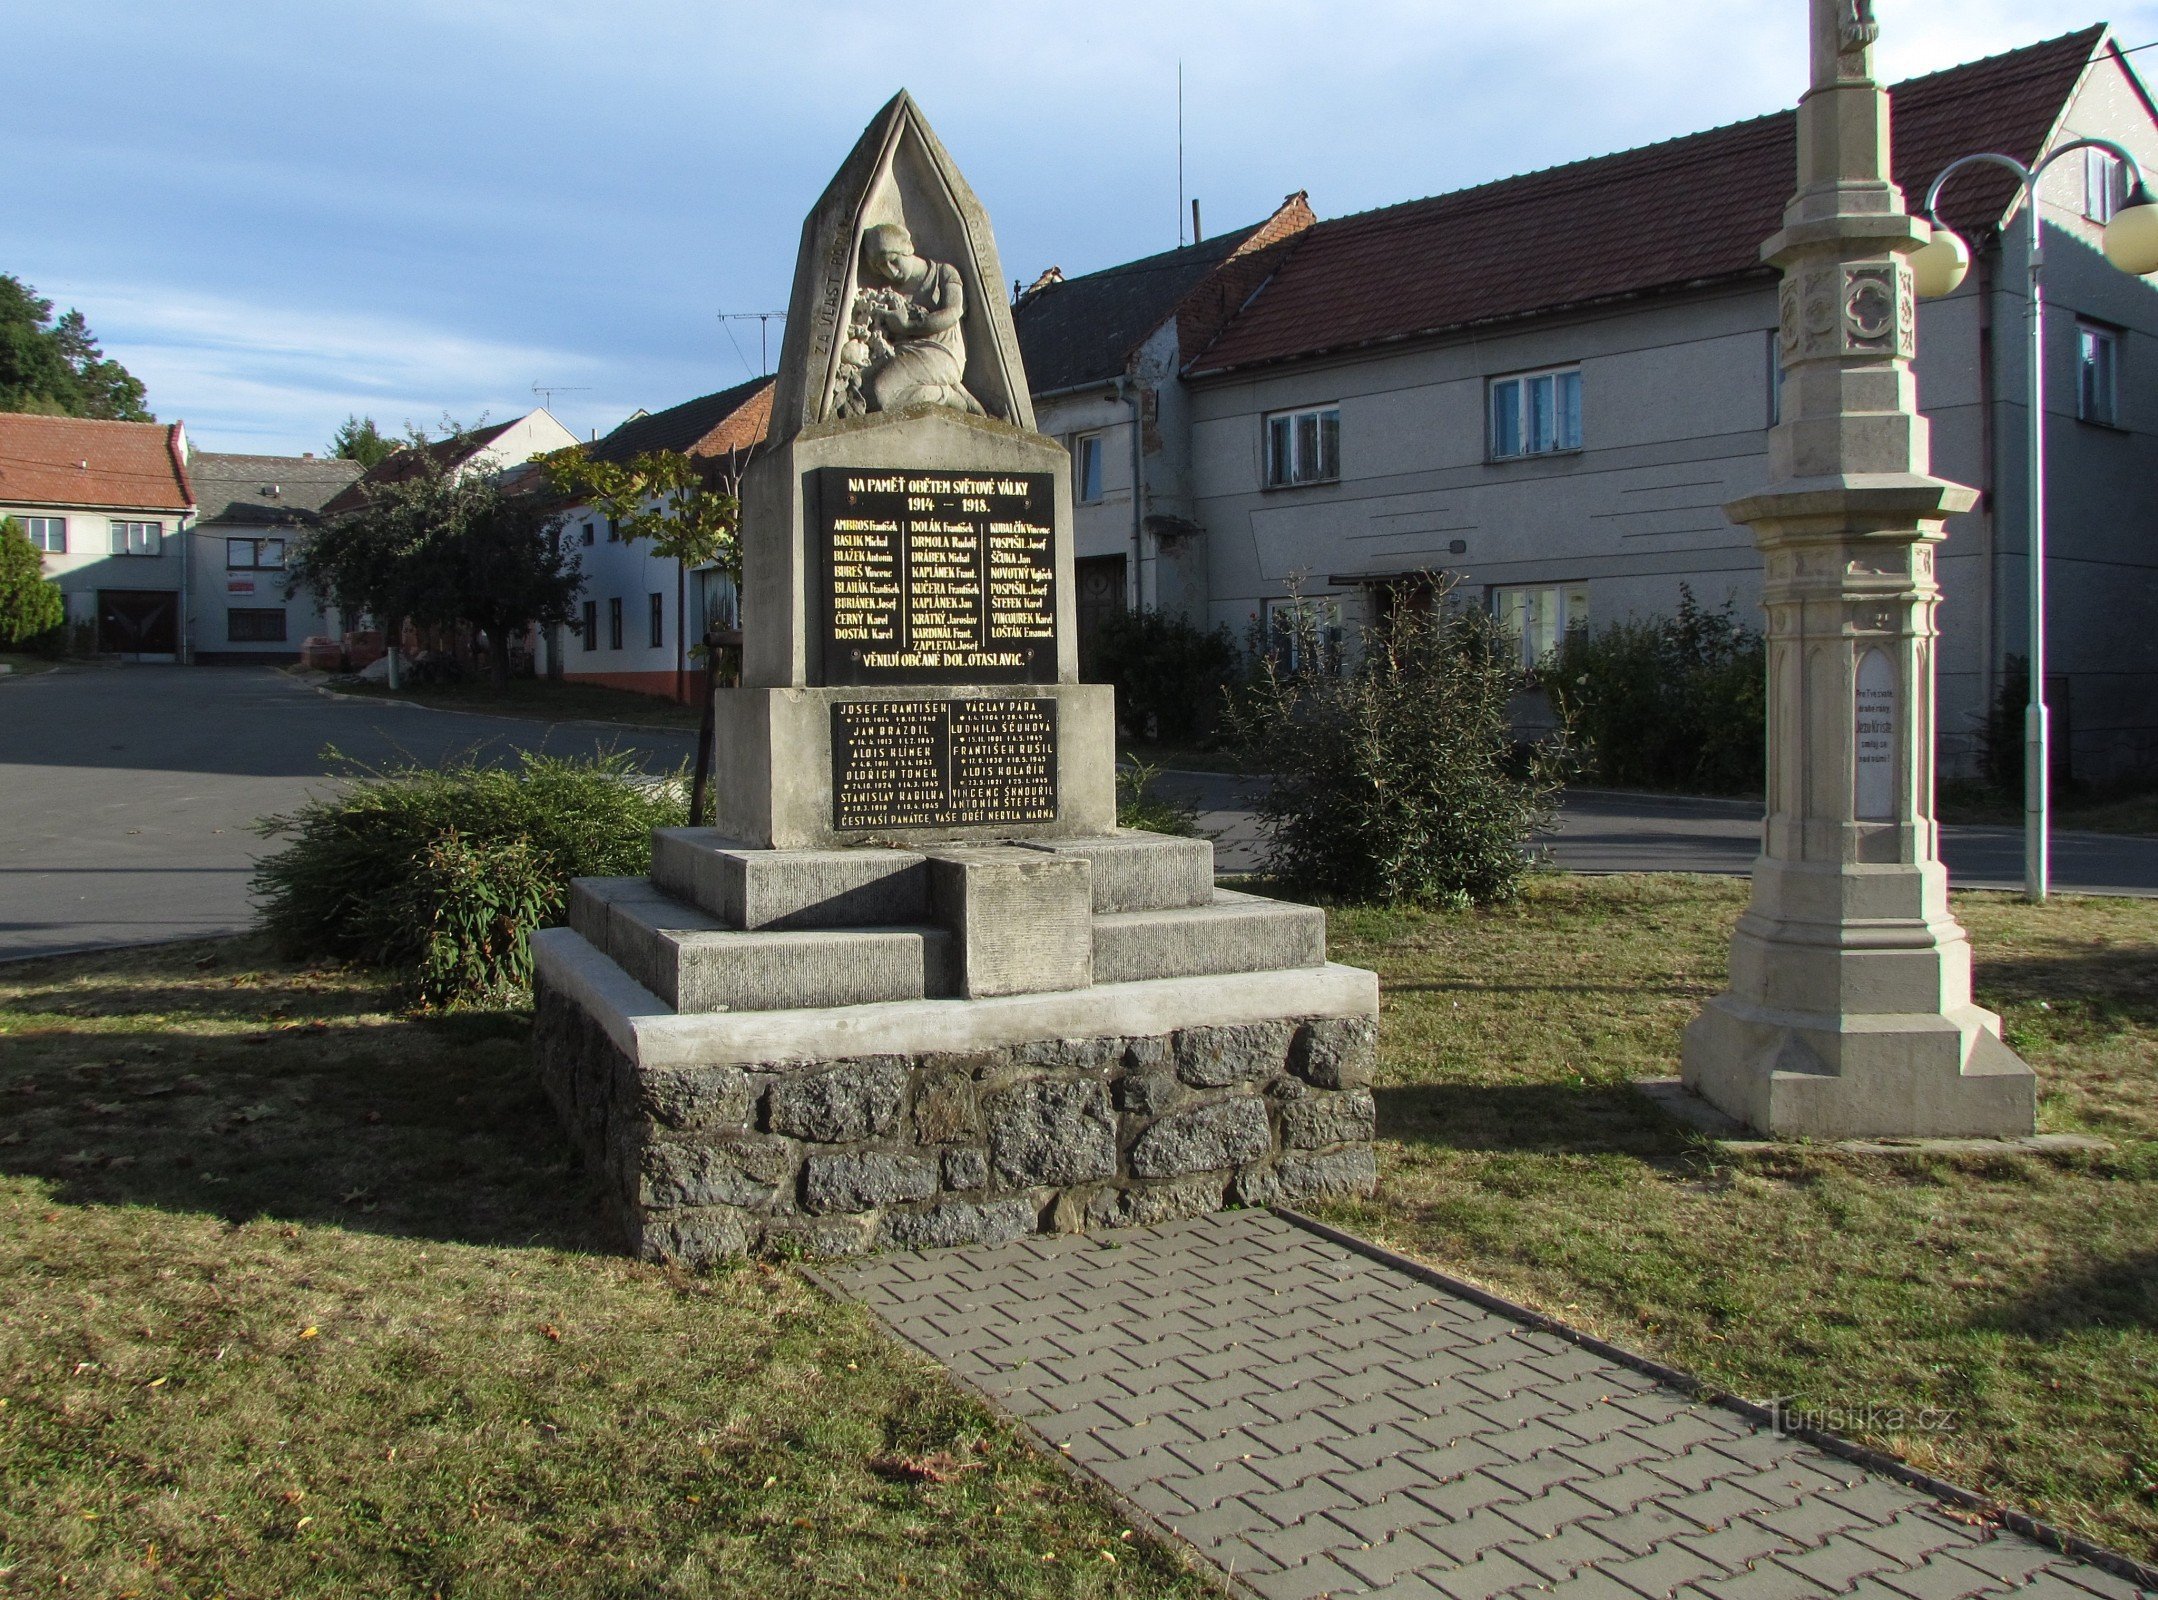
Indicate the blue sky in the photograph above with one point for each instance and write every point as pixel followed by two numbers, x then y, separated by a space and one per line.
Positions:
pixel 277 212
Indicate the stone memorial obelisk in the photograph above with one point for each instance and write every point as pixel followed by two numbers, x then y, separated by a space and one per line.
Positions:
pixel 916 987
pixel 1849 1009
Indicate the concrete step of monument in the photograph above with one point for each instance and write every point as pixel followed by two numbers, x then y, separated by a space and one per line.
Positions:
pixel 598 909
pixel 1234 933
pixel 1139 871
pixel 749 889
pixel 686 958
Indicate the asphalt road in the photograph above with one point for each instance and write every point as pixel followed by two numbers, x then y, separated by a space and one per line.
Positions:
pixel 127 794
pixel 1608 831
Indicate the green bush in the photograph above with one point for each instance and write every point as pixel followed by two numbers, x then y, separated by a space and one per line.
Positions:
pixel 1169 674
pixel 1138 806
pixel 1396 778
pixel 443 873
pixel 1676 703
pixel 31 609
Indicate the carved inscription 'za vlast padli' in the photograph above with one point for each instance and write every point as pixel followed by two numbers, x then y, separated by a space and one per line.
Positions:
pixel 943 763
pixel 937 577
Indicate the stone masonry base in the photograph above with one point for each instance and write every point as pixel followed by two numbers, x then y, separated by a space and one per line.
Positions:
pixel 955 1146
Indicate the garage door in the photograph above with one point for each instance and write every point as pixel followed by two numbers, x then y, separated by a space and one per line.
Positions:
pixel 142 622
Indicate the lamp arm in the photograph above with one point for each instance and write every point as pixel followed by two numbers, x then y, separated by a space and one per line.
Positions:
pixel 2024 176
pixel 2093 142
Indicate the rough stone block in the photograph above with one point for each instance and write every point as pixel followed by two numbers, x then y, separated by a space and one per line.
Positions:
pixel 860 1099
pixel 756 1174
pixel 1208 1138
pixel 1236 933
pixel 698 1097
pixel 1354 1170
pixel 1022 920
pixel 1140 871
pixel 1052 1131
pixel 1150 1094
pixel 945 1110
pixel 966 1168
pixel 1336 1052
pixel 819 1236
pixel 1346 1116
pixel 861 1181
pixel 1213 1058
pixel 750 889
pixel 960 1222
pixel 1145 1204
pixel 706 1234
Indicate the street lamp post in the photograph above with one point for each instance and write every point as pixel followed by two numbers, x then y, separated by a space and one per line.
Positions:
pixel 1937 267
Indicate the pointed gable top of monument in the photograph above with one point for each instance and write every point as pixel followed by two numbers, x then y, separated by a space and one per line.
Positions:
pixel 918 316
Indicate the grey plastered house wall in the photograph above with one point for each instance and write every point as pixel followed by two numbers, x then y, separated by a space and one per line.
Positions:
pixel 1669 316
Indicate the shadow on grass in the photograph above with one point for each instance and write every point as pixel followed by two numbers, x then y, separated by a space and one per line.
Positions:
pixel 2107 987
pixel 200 1084
pixel 2120 1294
pixel 1543 1118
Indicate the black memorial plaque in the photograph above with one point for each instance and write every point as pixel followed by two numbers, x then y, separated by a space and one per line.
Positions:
pixel 943 763
pixel 937 577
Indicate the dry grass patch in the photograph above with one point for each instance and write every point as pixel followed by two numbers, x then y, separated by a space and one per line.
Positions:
pixel 2014 1296
pixel 299 1297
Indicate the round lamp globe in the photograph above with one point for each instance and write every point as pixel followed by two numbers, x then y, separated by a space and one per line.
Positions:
pixel 1938 265
pixel 2132 235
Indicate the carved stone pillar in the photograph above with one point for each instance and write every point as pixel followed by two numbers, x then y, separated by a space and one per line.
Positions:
pixel 1849 1009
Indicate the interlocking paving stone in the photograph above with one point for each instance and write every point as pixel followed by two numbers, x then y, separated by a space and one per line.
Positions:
pixel 1317 1423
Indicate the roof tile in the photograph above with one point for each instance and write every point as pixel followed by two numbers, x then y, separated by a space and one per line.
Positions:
pixel 75 461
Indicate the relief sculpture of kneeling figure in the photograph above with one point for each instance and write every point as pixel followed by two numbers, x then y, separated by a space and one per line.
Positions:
pixel 904 342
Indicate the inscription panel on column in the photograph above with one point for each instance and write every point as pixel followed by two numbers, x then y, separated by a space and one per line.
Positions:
pixel 943 763
pixel 1873 736
pixel 937 577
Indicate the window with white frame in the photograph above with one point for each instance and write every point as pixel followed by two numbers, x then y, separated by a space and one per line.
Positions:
pixel 254 554
pixel 1303 631
pixel 2105 184
pixel 1086 467
pixel 1303 447
pixel 48 534
pixel 589 625
pixel 2098 374
pixel 1539 616
pixel 137 538
pixel 587 539
pixel 1536 413
pixel 656 619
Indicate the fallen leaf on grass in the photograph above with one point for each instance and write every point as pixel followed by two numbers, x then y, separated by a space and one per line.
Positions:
pixel 309 1331
pixel 550 1332
pixel 940 1466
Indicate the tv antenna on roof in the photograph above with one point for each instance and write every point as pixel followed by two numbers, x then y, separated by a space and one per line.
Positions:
pixel 547 391
pixel 763 320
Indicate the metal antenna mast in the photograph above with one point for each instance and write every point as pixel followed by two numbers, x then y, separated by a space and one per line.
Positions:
pixel 763 320
pixel 547 391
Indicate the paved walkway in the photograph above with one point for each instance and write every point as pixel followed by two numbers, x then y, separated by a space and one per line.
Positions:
pixel 1319 1423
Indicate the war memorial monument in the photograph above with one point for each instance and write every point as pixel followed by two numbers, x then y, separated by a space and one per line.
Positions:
pixel 916 987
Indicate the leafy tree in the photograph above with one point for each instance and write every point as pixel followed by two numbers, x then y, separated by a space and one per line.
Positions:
pixel 661 495
pixel 30 603
pixel 57 368
pixel 358 439
pixel 442 547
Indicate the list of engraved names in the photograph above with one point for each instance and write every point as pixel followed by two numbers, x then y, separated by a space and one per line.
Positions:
pixel 943 763
pixel 938 577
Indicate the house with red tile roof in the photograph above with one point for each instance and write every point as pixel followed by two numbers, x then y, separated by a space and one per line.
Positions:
pixel 1551 386
pixel 1103 352
pixel 640 615
pixel 109 504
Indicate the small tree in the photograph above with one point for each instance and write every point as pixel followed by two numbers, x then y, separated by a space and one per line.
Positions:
pixel 1395 773
pixel 440 546
pixel 30 603
pixel 358 439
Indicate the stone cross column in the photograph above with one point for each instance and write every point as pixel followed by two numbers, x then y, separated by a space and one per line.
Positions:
pixel 1849 1009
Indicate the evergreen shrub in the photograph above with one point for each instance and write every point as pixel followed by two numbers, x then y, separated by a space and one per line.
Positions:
pixel 442 874
pixel 1676 703
pixel 31 609
pixel 1169 674
pixel 1396 775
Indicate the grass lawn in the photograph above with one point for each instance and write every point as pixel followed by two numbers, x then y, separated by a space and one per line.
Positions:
pixel 537 697
pixel 2014 1295
pixel 299 1297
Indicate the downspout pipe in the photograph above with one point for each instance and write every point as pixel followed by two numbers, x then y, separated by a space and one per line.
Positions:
pixel 1127 390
